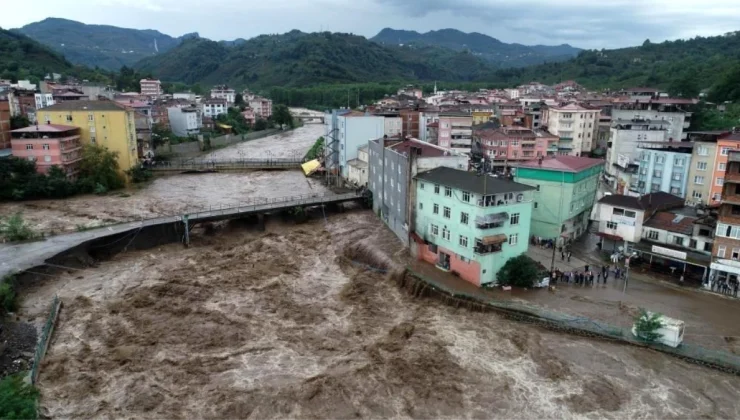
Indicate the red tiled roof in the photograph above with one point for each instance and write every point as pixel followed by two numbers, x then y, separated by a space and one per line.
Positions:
pixel 665 221
pixel 563 163
pixel 45 128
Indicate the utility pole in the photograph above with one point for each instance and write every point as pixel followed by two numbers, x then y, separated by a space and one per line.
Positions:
pixel 626 274
pixel 560 212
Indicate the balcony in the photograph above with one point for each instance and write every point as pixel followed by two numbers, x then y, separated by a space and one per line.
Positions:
pixel 566 139
pixel 490 244
pixel 733 156
pixel 565 120
pixel 732 177
pixel 461 132
pixel 731 198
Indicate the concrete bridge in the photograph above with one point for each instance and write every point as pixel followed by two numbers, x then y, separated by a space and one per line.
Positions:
pixel 16 258
pixel 210 165
pixel 317 119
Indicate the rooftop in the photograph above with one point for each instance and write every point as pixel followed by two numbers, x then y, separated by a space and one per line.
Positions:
pixel 45 128
pixel 562 163
pixel 85 106
pixel 575 107
pixel 427 150
pixel 472 182
pixel 658 200
pixel 672 223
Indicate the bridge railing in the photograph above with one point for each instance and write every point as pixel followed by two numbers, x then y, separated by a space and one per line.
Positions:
pixel 220 163
pixel 268 203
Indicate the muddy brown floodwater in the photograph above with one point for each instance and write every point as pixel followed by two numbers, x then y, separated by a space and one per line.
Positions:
pixel 177 193
pixel 281 324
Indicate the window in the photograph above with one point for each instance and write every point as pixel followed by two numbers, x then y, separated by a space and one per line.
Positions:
pixel 618 212
pixel 391 183
pixel 724 151
pixel 658 173
pixel 629 213
pixel 692 244
pixel 435 230
pixel 719 182
pixel 703 151
pixel 398 187
pixel 538 187
pixel 721 166
pixel 90 117
pixel 421 185
pixel 466 196
pixel 721 251
pixel 513 239
pixel 535 204
pixel 446 212
pixel 436 188
pixel 435 208
pixel 464 218
pixel 701 166
pixel 463 241
pixel 611 225
pixel 716 196
pixel 421 206
pixel 653 234
pixel 448 192
pixel 699 180
pixel 659 159
pixel 735 254
pixel 29 147
pixel 678 240
pixel 514 220
pixel 45 146
pixel 445 233
pixel 69 118
pixel 678 161
pixel 47 158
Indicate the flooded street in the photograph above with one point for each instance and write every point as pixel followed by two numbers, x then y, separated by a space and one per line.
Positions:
pixel 175 194
pixel 249 324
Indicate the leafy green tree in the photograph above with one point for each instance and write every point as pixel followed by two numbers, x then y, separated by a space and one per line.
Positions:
pixel 17 398
pixel 315 151
pixel 239 100
pixel 685 86
pixel 260 124
pixel 521 271
pixel 281 115
pixel 99 170
pixel 19 121
pixel 727 87
pixel 647 325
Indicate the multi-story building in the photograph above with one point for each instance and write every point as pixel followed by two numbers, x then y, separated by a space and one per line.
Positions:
pixel 410 122
pixel 224 92
pixel 49 145
pixel 346 131
pixel 43 100
pixel 726 250
pixel 212 108
pixel 455 131
pixel 703 155
pixel 262 107
pixel 621 217
pixel 188 96
pixel 508 145
pixel 663 167
pixel 725 144
pixel 393 123
pixel 469 224
pixel 565 192
pixel 392 167
pixel 249 116
pixel 622 154
pixel 4 123
pixel 150 87
pixel 185 121
pixel 481 117
pixel 672 113
pixel 575 124
pixel 100 122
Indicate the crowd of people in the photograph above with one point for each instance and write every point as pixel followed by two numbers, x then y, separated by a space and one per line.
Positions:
pixel 587 276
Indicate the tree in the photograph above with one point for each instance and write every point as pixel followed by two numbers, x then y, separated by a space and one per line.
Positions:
pixel 685 86
pixel 260 124
pixel 239 100
pixel 281 115
pixel 16 229
pixel 647 324
pixel 19 121
pixel 520 271
pixel 99 169
pixel 17 398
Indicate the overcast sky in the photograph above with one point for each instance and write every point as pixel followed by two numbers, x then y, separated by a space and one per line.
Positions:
pixel 582 23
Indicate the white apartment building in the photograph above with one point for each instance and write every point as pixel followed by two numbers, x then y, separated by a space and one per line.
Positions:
pixel 185 121
pixel 151 87
pixel 214 107
pixel 43 100
pixel 576 125
pixel 393 126
pixel 223 92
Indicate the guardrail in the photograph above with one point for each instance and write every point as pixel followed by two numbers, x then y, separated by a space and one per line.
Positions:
pixel 185 164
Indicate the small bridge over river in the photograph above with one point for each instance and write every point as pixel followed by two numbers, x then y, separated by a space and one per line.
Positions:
pixel 308 116
pixel 19 257
pixel 210 165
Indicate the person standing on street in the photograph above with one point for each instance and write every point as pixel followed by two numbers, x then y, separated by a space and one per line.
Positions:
pixel 569 254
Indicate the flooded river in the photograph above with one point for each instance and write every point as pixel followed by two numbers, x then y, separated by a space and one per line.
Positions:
pixel 282 324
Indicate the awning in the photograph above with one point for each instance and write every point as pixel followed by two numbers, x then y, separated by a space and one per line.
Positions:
pixel 494 239
pixel 311 166
pixel 610 236
pixel 492 218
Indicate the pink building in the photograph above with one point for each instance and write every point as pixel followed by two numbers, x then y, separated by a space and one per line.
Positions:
pixel 505 145
pixel 455 131
pixel 249 116
pixel 262 107
pixel 48 145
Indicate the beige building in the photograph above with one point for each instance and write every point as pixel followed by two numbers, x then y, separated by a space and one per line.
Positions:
pixel 703 161
pixel 575 124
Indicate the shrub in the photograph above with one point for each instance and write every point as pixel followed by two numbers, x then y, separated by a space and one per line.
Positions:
pixel 647 325
pixel 139 174
pixel 17 398
pixel 520 271
pixel 16 229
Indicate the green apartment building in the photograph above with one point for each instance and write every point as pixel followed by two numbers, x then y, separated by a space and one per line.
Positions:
pixel 470 224
pixel 565 192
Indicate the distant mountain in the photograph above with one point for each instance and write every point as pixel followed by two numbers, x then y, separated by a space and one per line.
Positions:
pixel 107 47
pixel 491 49
pixel 300 59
